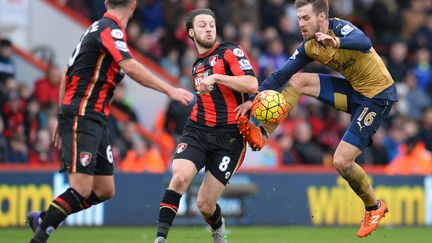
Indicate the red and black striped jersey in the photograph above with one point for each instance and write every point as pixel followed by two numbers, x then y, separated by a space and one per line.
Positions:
pixel 217 107
pixel 93 70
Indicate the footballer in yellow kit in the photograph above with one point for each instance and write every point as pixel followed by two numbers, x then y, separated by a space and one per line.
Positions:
pixel 366 91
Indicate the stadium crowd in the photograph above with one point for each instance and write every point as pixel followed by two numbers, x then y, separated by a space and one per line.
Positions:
pixel 401 32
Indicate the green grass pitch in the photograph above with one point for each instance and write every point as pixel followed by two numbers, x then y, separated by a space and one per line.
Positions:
pixel 200 234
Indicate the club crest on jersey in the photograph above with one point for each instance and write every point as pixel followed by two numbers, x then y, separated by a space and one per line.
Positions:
pixel 213 60
pixel 181 147
pixel 116 33
pixel 85 158
pixel 238 52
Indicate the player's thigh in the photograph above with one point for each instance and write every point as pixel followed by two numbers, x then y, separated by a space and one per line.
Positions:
pixel 210 191
pixel 335 92
pixel 80 142
pixel 105 159
pixel 307 83
pixel 365 121
pixel 189 158
pixel 226 154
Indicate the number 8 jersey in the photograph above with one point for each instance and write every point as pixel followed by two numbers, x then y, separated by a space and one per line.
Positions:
pixel 93 70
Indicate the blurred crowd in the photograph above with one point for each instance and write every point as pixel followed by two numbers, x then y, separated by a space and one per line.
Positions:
pixel 401 32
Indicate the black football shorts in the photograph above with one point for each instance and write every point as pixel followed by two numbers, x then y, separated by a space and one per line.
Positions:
pixel 86 146
pixel 220 151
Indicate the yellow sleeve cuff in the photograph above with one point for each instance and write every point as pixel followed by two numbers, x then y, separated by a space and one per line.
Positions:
pixel 337 42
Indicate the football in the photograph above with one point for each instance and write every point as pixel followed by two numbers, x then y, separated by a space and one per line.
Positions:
pixel 269 106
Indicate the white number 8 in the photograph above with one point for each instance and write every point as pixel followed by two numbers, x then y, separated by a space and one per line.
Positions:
pixel 223 166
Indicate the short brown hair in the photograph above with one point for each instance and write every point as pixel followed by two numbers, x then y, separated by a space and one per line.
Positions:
pixel 191 17
pixel 118 3
pixel 318 6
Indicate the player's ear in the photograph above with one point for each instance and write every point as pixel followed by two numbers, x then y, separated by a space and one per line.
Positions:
pixel 322 16
pixel 191 33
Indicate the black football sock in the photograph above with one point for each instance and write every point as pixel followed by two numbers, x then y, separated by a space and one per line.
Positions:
pixel 374 207
pixel 67 203
pixel 215 221
pixel 167 212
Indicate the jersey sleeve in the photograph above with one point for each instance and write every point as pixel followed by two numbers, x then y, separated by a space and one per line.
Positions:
pixel 114 40
pixel 238 61
pixel 279 78
pixel 350 37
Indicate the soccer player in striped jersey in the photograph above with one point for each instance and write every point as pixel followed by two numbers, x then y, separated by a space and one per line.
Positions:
pixel 223 77
pixel 98 63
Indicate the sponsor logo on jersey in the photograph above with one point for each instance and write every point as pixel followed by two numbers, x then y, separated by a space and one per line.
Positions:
pixel 116 33
pixel 121 46
pixel 213 60
pixel 85 158
pixel 245 64
pixel 238 52
pixel 181 147
pixel 346 29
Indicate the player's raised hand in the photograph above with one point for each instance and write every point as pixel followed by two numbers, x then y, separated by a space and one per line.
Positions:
pixel 182 95
pixel 326 39
pixel 243 108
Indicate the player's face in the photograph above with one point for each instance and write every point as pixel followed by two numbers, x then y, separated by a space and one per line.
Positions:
pixel 308 21
pixel 204 30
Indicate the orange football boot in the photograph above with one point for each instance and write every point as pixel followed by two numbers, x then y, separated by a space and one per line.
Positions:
pixel 253 135
pixel 371 220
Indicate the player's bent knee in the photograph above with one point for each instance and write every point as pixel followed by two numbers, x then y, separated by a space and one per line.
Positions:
pixel 339 162
pixel 179 183
pixel 206 208
pixel 298 81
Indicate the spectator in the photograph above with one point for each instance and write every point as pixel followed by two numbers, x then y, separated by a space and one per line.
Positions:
pixel 34 120
pixel 4 146
pixel 47 88
pixel 13 115
pixel 307 149
pixel 377 154
pixel 423 69
pixel 143 158
pixel 397 61
pixel 422 38
pixel 426 128
pixel 412 18
pixel 384 16
pixel 286 144
pixel 7 66
pixel 417 99
pixel 170 62
pixel 151 15
pixel 413 159
pixel 18 150
pixel 42 153
pixel 121 103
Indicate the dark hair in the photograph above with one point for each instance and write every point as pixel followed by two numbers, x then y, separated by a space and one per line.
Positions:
pixel 191 17
pixel 118 3
pixel 318 6
pixel 5 43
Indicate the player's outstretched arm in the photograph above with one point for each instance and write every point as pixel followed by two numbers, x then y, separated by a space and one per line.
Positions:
pixel 244 83
pixel 143 76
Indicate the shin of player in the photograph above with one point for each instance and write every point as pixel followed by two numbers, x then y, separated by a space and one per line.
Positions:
pixel 223 77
